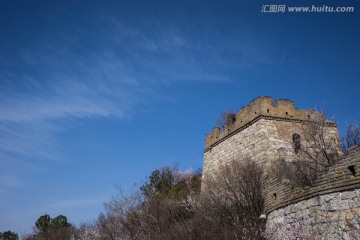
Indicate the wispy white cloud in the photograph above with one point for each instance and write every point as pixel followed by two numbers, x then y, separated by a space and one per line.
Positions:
pixel 31 105
pixel 176 54
pixel 65 78
pixel 107 70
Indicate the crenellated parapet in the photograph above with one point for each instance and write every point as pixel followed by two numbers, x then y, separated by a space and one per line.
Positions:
pixel 263 132
pixel 330 208
pixel 262 107
pixel 343 176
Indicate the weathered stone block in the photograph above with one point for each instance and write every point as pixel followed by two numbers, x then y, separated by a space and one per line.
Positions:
pixel 348 195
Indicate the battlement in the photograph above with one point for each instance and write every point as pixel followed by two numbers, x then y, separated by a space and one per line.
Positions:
pixel 343 176
pixel 263 132
pixel 333 201
pixel 262 107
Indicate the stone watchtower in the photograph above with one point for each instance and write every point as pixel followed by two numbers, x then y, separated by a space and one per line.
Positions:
pixel 263 131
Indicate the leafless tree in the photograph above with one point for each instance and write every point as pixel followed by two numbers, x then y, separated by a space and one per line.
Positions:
pixel 232 202
pixel 352 136
pixel 165 214
pixel 321 147
pixel 68 233
pixel 230 209
pixel 227 116
pixel 122 217
pixel 316 148
pixel 87 231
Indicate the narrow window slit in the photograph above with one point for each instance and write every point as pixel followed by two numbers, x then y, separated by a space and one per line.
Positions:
pixel 352 169
pixel 233 119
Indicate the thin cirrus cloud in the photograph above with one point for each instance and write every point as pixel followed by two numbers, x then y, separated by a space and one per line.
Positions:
pixel 65 79
pixel 31 108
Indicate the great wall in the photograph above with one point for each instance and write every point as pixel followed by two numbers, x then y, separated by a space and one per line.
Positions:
pixel 263 132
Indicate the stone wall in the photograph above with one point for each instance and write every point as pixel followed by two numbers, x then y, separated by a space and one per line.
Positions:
pixel 260 107
pixel 330 209
pixel 261 132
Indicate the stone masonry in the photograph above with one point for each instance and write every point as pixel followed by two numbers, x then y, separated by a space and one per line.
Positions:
pixel 263 132
pixel 330 209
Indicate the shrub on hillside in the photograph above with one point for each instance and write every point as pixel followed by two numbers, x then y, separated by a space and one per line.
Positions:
pixel 171 207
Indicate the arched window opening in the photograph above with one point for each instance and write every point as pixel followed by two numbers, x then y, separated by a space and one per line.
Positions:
pixel 296 142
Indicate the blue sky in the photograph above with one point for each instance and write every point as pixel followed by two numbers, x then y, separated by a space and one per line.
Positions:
pixel 97 94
